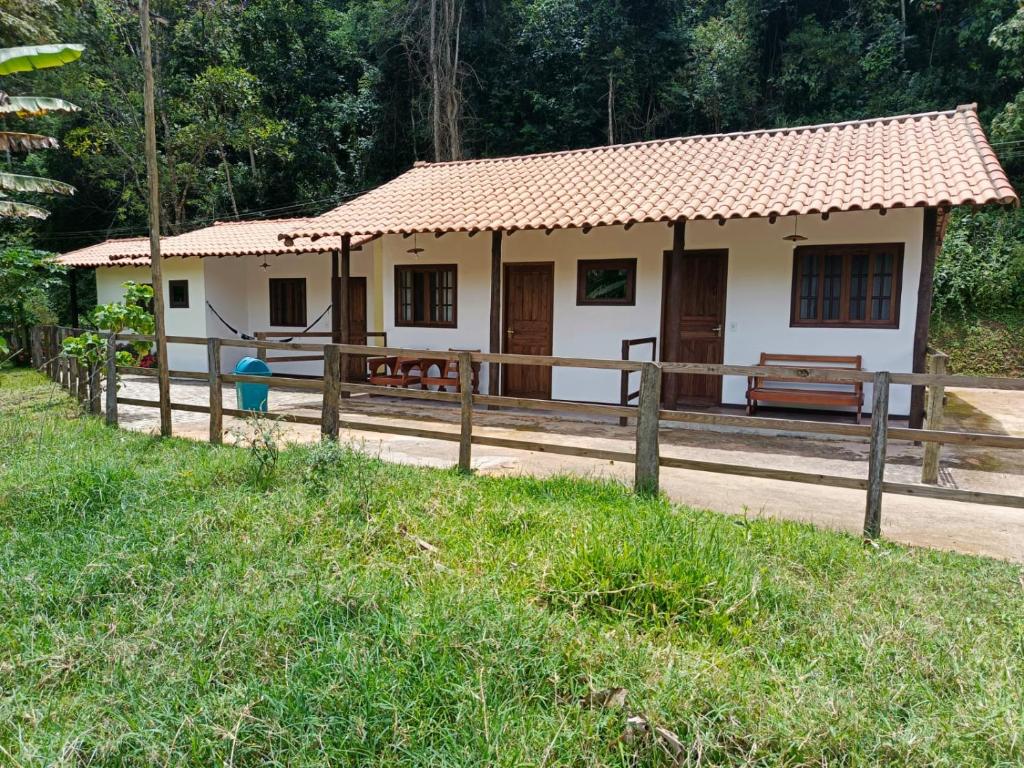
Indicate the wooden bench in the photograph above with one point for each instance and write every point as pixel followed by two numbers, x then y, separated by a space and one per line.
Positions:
pixel 843 392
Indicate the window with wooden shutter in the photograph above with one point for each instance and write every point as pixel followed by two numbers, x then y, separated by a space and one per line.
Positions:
pixel 426 295
pixel 288 301
pixel 847 286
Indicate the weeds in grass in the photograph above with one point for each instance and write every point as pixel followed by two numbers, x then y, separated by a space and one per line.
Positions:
pixel 343 474
pixel 260 435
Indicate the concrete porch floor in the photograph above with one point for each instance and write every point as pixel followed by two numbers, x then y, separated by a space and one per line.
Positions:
pixel 963 527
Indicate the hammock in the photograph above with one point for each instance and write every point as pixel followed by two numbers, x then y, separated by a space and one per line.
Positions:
pixel 250 337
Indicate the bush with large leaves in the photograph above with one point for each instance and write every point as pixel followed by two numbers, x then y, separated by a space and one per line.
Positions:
pixel 133 314
pixel 25 59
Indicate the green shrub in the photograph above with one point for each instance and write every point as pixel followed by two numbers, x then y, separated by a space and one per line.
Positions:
pixel 981 267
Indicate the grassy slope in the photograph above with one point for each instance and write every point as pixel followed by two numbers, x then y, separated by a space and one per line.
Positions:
pixel 160 605
pixel 992 346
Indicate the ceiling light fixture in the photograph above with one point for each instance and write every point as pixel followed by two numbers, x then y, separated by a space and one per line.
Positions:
pixel 796 237
pixel 415 251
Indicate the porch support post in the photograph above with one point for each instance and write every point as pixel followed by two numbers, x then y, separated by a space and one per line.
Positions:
pixel 929 248
pixel 335 300
pixel 493 370
pixel 671 345
pixel 343 290
pixel 73 297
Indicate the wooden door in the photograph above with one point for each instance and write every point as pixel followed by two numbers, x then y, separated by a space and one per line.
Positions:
pixel 701 313
pixel 356 322
pixel 527 324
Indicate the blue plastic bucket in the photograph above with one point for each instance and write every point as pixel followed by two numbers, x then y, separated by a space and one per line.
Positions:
pixel 252 397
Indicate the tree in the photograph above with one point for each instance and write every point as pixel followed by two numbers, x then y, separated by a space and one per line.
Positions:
pixel 26 276
pixel 25 59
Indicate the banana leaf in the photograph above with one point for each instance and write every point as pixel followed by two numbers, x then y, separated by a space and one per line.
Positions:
pixel 34 106
pixel 28 57
pixel 14 210
pixel 14 182
pixel 11 141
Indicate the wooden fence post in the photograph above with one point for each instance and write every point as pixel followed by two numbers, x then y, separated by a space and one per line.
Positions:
pixel 82 383
pixel 111 376
pixel 876 454
pixel 624 384
pixel 466 395
pixel 261 352
pixel 332 392
pixel 48 351
pixel 647 453
pixel 216 392
pixel 72 376
pixel 36 335
pixel 93 373
pixel 934 408
pixel 64 362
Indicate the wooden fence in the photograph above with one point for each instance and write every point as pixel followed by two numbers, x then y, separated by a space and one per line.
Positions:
pixel 648 413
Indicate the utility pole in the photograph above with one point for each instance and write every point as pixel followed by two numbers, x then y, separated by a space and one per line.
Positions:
pixel 152 174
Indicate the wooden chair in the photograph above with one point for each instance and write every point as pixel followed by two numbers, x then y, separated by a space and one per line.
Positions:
pixel 393 371
pixel 447 373
pixel 842 392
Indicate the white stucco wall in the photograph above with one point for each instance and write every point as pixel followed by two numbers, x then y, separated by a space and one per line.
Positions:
pixel 757 301
pixel 180 322
pixel 238 288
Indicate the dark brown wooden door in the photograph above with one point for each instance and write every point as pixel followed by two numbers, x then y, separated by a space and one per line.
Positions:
pixel 529 307
pixel 356 322
pixel 701 313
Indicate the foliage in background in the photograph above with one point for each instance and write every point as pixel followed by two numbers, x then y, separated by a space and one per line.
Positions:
pixel 287 107
pixel 26 277
pixel 981 268
pixel 989 344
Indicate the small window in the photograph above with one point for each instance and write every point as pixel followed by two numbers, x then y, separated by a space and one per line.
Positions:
pixel 606 282
pixel 425 295
pixel 288 301
pixel 177 293
pixel 847 286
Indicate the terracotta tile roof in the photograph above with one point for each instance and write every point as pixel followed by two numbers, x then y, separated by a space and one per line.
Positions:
pixel 119 252
pixel 224 238
pixel 237 238
pixel 931 159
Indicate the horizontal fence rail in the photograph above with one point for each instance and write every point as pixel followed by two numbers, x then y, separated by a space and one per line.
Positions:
pixel 648 412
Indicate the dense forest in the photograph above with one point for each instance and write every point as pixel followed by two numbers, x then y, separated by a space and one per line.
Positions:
pixel 285 107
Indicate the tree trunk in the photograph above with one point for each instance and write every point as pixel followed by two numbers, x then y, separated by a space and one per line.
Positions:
pixel 444 77
pixel 611 108
pixel 227 179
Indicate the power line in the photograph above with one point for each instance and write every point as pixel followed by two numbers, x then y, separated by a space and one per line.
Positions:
pixel 140 230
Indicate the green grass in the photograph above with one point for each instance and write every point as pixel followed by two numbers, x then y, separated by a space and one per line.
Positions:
pixel 990 346
pixel 161 604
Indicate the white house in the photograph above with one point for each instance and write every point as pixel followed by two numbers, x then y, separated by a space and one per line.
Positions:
pixel 812 240
pixel 235 278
